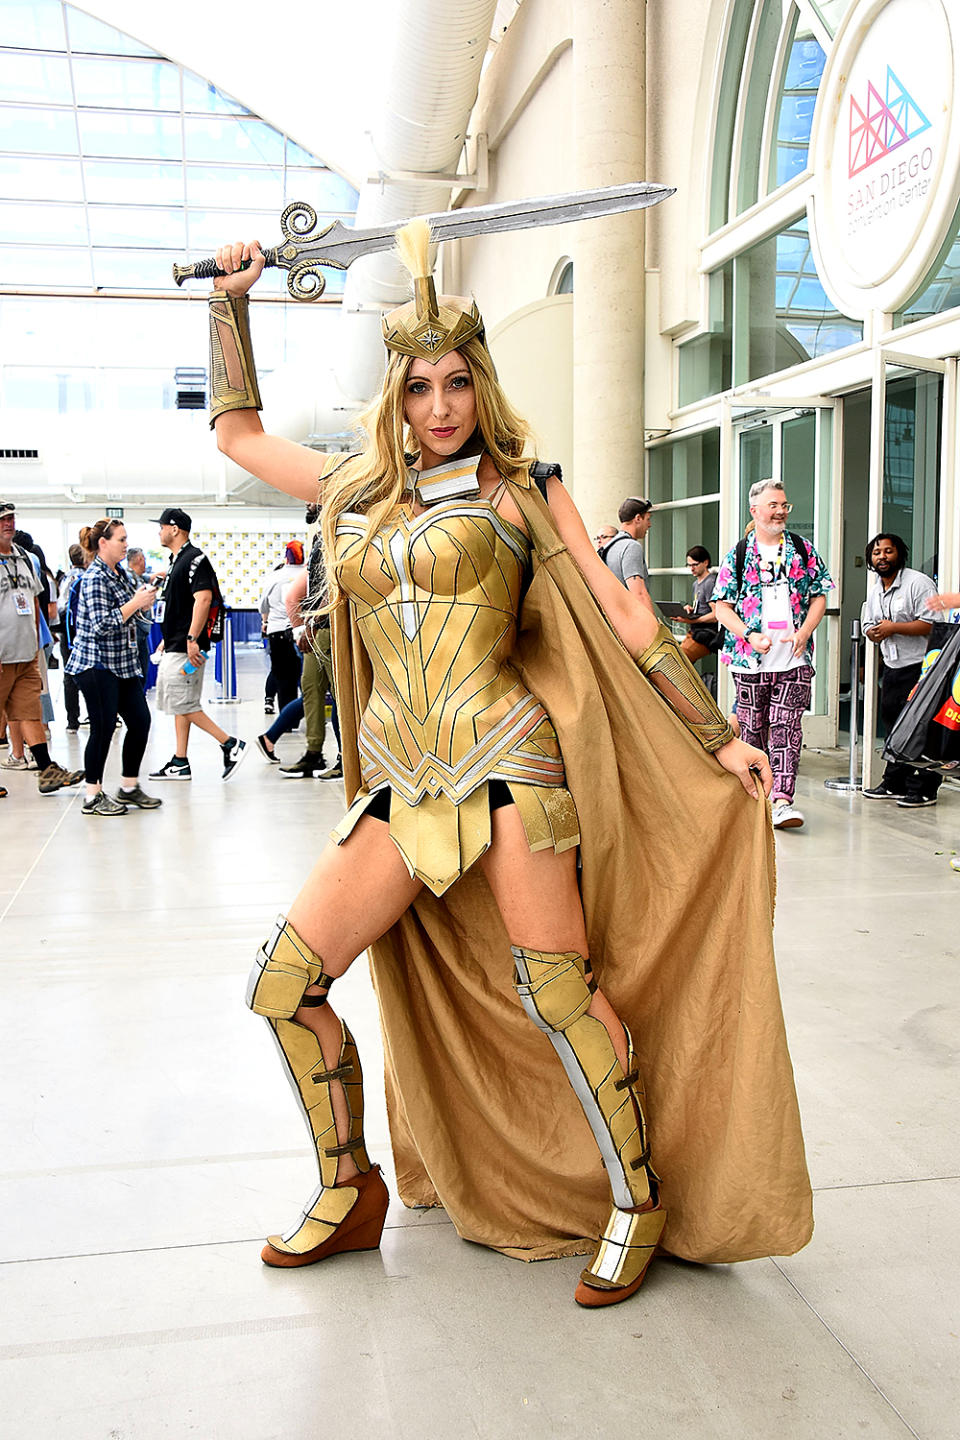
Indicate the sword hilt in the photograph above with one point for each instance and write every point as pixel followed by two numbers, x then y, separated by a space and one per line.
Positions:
pixel 209 269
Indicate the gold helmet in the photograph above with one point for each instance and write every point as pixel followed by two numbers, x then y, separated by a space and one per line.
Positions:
pixel 427 327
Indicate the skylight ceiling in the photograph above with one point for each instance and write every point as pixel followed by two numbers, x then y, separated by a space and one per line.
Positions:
pixel 114 161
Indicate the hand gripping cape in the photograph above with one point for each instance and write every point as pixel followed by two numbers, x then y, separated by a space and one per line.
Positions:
pixel 678 891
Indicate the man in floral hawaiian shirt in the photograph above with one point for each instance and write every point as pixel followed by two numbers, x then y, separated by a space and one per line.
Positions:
pixel 770 612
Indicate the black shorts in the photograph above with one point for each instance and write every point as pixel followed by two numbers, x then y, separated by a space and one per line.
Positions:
pixel 379 807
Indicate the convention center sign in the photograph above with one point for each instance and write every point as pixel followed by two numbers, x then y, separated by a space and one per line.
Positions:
pixel 885 152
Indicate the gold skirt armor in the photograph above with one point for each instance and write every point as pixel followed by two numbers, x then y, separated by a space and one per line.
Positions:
pixel 435 599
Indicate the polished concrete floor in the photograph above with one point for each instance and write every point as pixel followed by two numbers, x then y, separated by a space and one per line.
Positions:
pixel 149 1142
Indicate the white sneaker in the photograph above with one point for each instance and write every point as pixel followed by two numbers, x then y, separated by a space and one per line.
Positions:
pixel 786 816
pixel 15 762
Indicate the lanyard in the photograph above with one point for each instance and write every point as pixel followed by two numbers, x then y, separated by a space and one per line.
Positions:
pixel 5 562
pixel 772 571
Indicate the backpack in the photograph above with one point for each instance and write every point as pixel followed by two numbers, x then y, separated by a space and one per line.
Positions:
pixel 71 608
pixel 740 555
pixel 604 550
pixel 214 622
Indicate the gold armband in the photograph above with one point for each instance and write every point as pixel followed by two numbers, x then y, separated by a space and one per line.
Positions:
pixel 666 667
pixel 233 378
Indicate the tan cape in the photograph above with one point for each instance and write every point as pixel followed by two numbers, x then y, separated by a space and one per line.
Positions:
pixel 678 891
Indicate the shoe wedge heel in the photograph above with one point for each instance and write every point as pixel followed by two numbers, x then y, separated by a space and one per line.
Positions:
pixel 360 1229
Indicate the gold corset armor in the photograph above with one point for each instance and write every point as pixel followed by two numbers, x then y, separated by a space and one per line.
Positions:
pixel 435 598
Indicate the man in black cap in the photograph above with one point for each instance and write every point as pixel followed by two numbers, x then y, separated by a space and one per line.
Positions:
pixel 188 594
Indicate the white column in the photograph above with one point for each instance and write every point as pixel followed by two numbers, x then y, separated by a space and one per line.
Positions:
pixel 609 59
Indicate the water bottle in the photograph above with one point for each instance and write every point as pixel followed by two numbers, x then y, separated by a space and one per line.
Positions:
pixel 187 668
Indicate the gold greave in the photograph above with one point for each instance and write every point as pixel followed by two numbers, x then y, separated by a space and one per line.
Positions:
pixel 556 995
pixel 666 667
pixel 233 377
pixel 626 1248
pixel 312 1084
pixel 283 969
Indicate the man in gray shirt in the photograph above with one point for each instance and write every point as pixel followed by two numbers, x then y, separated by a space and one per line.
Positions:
pixel 624 554
pixel 895 617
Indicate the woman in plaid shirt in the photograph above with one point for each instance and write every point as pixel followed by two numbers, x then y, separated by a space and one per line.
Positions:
pixel 105 662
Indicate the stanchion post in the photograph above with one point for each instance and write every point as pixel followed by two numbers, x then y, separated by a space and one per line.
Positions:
pixel 228 664
pixel 850 781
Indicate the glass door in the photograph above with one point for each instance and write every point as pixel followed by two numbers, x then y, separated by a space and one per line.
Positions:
pixel 906 462
pixel 793 443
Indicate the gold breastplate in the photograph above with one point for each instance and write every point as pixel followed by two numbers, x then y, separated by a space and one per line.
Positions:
pixel 436 598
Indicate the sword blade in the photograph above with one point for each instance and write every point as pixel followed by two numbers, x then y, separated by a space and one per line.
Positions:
pixel 305 250
pixel 342 244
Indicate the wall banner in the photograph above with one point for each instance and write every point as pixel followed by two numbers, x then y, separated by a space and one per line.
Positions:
pixel 885 152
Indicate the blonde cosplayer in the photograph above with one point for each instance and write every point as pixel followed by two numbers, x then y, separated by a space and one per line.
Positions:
pixel 471 686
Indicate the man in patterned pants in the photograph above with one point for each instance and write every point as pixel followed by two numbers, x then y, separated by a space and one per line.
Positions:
pixel 771 594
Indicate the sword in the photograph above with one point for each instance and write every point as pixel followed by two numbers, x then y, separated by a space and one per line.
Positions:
pixel 305 248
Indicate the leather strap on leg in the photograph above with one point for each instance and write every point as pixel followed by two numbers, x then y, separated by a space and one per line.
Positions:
pixel 555 993
pixel 312 1083
pixel 283 969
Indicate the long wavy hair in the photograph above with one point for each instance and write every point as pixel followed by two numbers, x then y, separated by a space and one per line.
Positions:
pixel 373 481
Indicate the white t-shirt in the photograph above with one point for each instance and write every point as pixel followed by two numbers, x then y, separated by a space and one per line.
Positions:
pixel 776 616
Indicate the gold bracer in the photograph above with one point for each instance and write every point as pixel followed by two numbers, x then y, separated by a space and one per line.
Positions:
pixel 233 377
pixel 556 995
pixel 666 667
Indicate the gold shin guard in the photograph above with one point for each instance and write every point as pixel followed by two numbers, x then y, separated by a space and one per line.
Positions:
pixel 284 968
pixel 555 994
pixel 666 667
pixel 330 1204
pixel 233 376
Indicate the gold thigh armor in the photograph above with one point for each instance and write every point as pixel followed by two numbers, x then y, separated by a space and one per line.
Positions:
pixel 435 598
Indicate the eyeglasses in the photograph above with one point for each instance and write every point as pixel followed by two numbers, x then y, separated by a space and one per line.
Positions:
pixel 773 507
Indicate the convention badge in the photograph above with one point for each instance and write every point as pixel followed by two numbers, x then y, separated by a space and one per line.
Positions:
pixel 22 603
pixel 778 621
pixel 159 606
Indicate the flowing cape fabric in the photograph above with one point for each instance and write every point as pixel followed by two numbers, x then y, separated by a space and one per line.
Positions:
pixel 678 890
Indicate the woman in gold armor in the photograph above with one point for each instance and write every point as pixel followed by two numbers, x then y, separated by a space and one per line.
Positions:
pixel 494 721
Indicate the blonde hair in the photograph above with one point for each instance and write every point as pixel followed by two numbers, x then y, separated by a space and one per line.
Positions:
pixel 374 480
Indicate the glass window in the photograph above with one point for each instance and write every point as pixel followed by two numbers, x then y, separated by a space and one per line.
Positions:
pixel 32 24
pixel 671 534
pixel 233 188
pixel 706 362
pixel 36 179
pixel 133 182
pixel 51 132
pixel 150 136
pixel 131 84
pixel 38 265
pixel 941 289
pixel 55 224
pixel 131 225
pixel 210 228
pixel 831 12
pixel 248 142
pixel 35 77
pixel 798 96
pixel 200 94
pixel 565 282
pixel 783 314
pixel 134 269
pixel 323 189
pixel 726 112
pixel 764 55
pixel 92 36
pixel 685 468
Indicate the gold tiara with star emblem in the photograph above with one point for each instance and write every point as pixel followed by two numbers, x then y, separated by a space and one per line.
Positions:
pixel 427 327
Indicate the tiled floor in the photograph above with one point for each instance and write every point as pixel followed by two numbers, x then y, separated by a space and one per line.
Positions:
pixel 149 1142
